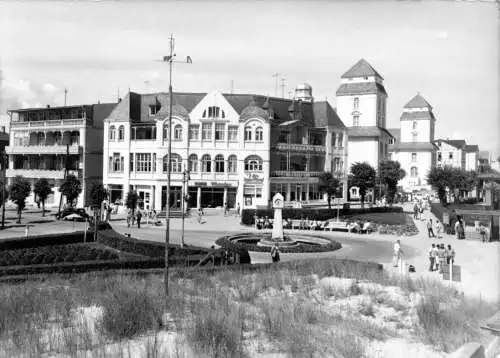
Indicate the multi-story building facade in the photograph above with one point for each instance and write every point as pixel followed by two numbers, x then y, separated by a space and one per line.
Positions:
pixel 451 152
pixel 226 148
pixel 471 157
pixel 361 105
pixel 413 145
pixel 46 141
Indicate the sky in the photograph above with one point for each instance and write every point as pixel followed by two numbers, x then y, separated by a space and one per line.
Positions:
pixel 448 51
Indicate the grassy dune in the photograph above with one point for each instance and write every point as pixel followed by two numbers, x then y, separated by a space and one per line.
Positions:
pixel 314 308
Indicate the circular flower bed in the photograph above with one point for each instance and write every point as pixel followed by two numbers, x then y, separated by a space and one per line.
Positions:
pixel 306 243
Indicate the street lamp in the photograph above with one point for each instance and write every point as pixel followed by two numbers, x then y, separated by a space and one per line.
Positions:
pixel 170 60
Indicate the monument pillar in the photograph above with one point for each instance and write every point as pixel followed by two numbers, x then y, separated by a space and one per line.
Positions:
pixel 278 204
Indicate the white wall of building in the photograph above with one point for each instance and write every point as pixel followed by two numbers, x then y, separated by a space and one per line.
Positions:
pixel 422 161
pixel 422 130
pixel 457 159
pixel 367 110
pixel 471 161
pixel 363 150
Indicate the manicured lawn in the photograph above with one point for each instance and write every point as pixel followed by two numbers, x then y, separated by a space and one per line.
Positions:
pixel 379 218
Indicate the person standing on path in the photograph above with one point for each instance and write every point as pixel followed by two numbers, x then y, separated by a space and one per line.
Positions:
pixel 238 209
pixel 459 228
pixel 415 211
pixel 397 253
pixel 432 257
pixel 441 257
pixel 439 228
pixel 450 255
pixel 430 232
pixel 275 253
pixel 139 217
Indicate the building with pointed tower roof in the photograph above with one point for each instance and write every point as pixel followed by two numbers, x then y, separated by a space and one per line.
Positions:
pixel 361 104
pixel 413 145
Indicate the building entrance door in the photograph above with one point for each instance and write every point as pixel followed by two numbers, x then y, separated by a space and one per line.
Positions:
pixel 175 197
pixel 212 197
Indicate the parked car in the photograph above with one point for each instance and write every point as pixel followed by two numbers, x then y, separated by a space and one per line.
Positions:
pixel 68 211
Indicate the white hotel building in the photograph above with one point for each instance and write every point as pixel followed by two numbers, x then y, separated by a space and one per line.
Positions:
pixel 238 149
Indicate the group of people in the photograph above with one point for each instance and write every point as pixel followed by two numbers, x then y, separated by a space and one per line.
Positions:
pixel 439 255
pixel 418 209
pixel 430 229
pixel 136 216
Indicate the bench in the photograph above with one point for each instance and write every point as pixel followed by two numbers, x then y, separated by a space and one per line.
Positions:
pixel 337 226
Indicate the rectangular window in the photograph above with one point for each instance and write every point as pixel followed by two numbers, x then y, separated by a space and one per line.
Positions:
pixel 413 157
pixel 206 131
pixel 334 139
pixel 450 155
pixel 153 109
pixel 340 140
pixel 193 132
pixel 143 162
pixel 117 165
pixel 414 137
pixel 219 131
pixel 232 134
pixel 439 157
pixel 355 121
pixel 131 162
pixel 283 162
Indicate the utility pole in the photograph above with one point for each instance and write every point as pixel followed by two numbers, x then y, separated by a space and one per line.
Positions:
pixel 282 88
pixel 4 179
pixel 65 95
pixel 65 175
pixel 170 60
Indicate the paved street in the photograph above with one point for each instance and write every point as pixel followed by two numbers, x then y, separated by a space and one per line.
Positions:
pixel 479 261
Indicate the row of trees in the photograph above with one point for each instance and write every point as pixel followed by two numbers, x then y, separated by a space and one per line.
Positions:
pixel 364 176
pixel 455 180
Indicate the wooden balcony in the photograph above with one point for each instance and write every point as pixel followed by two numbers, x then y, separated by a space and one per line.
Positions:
pixel 43 149
pixel 299 148
pixel 285 173
pixel 50 124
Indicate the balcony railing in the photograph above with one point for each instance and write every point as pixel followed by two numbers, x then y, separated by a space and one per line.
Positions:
pixel 285 173
pixel 308 148
pixel 70 122
pixel 39 173
pixel 42 149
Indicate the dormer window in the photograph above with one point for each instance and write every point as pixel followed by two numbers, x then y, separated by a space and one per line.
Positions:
pixel 213 112
pixel 153 109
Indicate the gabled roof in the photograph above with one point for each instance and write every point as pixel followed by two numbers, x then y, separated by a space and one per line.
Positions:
pixel 418 102
pixel 325 115
pixel 457 143
pixel 412 116
pixel 407 146
pixel 370 131
pixel 472 148
pixel 350 89
pixel 361 69
pixel 396 134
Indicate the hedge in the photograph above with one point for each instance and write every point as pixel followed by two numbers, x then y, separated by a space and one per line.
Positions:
pixel 243 248
pixel 45 240
pixel 54 254
pixel 247 215
pixel 144 247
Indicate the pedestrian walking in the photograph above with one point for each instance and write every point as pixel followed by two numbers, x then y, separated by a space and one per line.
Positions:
pixel 397 253
pixel 459 228
pixel 139 217
pixel 415 211
pixel 441 257
pixel 434 253
pixel 439 229
pixel 275 253
pixel 238 210
pixel 226 209
pixel 200 214
pixel 129 218
pixel 430 232
pixel 484 232
pixel 432 257
pixel 450 255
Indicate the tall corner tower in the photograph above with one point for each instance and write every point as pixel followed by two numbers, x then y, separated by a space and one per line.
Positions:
pixel 361 97
pixel 417 121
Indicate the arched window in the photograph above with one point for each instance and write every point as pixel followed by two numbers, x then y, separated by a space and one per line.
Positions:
pixel 259 134
pixel 206 164
pixel 176 163
pixel 356 103
pixel 414 171
pixel 248 134
pixel 253 163
pixel 178 132
pixel 193 163
pixel 232 164
pixel 40 138
pixel 165 130
pixel 58 138
pixel 414 125
pixel 75 137
pixel 165 163
pixel 112 133
pixel 121 133
pixel 219 163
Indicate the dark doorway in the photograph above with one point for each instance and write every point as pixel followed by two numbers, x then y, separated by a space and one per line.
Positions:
pixel 212 197
pixel 175 197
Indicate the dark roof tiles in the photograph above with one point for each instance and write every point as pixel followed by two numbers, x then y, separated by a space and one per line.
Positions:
pixel 351 89
pixel 418 102
pixel 361 69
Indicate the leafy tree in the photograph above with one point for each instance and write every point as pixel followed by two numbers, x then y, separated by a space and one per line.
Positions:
pixel 18 192
pixel 390 174
pixel 329 186
pixel 97 195
pixel 71 188
pixel 42 189
pixel 363 176
pixel 439 178
pixel 132 199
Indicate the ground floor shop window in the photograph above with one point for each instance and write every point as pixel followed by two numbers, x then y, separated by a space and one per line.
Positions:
pixel 281 188
pixel 314 193
pixel 115 192
pixel 251 192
